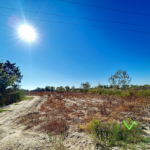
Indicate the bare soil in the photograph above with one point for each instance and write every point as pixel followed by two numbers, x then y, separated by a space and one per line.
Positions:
pixel 13 135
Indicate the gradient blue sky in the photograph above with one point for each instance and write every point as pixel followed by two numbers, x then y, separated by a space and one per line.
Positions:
pixel 71 54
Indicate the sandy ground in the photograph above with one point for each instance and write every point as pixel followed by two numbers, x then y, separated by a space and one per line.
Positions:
pixel 13 137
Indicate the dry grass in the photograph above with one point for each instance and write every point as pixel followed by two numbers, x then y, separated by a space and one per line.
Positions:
pixel 62 109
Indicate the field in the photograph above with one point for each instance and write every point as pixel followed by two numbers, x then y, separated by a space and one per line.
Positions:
pixel 63 112
pixel 72 122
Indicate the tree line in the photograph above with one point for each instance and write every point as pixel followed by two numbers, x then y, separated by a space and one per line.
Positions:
pixel 120 80
pixel 10 78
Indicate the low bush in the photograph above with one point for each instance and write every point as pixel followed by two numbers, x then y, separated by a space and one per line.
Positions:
pixel 110 92
pixel 119 92
pixel 9 98
pixel 140 93
pixel 147 93
pixel 56 142
pixel 116 135
pixel 1 110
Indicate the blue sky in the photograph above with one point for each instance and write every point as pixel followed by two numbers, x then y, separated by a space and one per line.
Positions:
pixel 66 54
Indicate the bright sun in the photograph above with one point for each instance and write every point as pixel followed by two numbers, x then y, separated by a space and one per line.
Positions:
pixel 27 33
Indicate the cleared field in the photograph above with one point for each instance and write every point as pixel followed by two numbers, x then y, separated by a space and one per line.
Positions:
pixel 64 113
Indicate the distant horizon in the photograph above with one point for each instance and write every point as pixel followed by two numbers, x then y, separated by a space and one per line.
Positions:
pixel 79 86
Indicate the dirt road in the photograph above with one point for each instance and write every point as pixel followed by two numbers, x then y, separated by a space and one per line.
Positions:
pixel 12 136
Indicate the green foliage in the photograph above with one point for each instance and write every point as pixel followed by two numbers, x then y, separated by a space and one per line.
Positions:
pixel 85 87
pixel 52 88
pixel 147 93
pixel 1 110
pixel 26 98
pixel 67 88
pixel 9 98
pixel 73 88
pixel 140 93
pixel 115 136
pixel 56 142
pixel 118 92
pixel 111 92
pixel 10 76
pixel 16 103
pixel 99 86
pixel 39 89
pixel 47 88
pixel 120 79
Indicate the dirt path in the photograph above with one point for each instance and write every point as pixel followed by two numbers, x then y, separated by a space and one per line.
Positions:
pixel 12 136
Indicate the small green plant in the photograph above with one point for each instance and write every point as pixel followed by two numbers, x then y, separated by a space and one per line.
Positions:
pixel 147 93
pixel 115 136
pixel 16 103
pixel 1 110
pixel 57 143
pixel 27 98
pixel 141 93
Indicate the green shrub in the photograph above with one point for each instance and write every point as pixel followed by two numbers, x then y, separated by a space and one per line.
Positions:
pixel 1 110
pixel 99 92
pixel 9 98
pixel 114 136
pixel 117 93
pixel 130 93
pixel 104 92
pixel 110 92
pixel 94 125
pixel 140 93
pixel 124 93
pixel 147 93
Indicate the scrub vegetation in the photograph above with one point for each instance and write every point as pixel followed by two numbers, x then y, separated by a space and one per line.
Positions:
pixel 61 110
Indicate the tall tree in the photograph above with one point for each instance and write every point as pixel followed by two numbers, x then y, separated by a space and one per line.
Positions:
pixel 85 87
pixel 73 88
pixel 61 88
pixel 120 79
pixel 47 88
pixel 10 76
pixel 67 88
pixel 57 88
pixel 99 86
pixel 52 88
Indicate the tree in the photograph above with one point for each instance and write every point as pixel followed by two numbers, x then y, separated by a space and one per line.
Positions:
pixel 73 88
pixel 120 79
pixel 61 88
pixel 99 86
pixel 85 87
pixel 47 88
pixel 57 89
pixel 38 89
pixel 52 88
pixel 67 88
pixel 111 86
pixel 10 76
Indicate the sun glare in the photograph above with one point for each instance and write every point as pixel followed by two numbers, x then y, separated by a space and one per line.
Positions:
pixel 27 33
